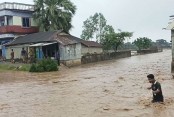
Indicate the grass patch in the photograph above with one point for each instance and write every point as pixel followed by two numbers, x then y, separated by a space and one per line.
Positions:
pixel 14 67
pixel 24 67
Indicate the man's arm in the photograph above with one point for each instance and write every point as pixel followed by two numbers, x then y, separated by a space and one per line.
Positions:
pixel 149 88
pixel 157 91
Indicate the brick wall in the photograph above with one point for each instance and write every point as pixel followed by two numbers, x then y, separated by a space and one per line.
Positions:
pixel 18 29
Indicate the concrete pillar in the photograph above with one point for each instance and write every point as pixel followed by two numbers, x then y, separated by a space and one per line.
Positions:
pixel 172 38
pixel 5 20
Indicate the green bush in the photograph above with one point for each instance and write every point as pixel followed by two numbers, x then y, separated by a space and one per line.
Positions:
pixel 44 65
pixel 33 68
pixel 39 68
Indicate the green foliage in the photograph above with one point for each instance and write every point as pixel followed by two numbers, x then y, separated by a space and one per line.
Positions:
pixel 5 67
pixel 105 34
pixel 162 43
pixel 45 65
pixel 108 35
pixel 9 66
pixel 54 14
pixel 127 45
pixel 143 43
pixel 113 40
pixel 40 68
pixel 33 68
pixel 24 67
pixel 94 25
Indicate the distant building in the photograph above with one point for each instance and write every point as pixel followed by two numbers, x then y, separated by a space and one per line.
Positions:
pixel 15 20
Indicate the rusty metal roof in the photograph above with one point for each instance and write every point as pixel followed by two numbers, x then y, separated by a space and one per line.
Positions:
pixel 91 44
pixel 52 36
pixel 34 38
pixel 66 39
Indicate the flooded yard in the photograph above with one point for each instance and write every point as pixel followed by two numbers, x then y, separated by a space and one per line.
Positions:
pixel 115 88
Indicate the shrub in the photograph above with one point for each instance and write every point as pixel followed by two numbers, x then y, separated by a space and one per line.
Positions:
pixel 39 68
pixel 44 65
pixel 33 68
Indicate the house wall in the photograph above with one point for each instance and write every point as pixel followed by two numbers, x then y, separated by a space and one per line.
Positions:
pixel 91 50
pixel 16 49
pixel 70 55
pixel 33 23
pixel 70 52
pixel 17 21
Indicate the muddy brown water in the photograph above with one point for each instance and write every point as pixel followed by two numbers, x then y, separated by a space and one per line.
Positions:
pixel 115 88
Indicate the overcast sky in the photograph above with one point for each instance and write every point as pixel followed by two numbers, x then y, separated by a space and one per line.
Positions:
pixel 145 18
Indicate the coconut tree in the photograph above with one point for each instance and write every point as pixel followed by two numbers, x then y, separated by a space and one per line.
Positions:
pixel 54 14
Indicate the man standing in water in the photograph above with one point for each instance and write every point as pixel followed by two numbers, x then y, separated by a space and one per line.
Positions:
pixel 156 89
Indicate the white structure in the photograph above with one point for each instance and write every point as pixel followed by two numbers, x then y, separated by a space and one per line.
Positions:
pixel 171 27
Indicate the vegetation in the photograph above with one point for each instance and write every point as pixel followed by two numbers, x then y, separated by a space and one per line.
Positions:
pixel 54 14
pixel 143 43
pixel 45 65
pixel 128 45
pixel 117 39
pixel 163 43
pixel 94 25
pixel 9 66
pixel 97 26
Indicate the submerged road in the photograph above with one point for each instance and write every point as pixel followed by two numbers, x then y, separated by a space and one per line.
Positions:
pixel 115 88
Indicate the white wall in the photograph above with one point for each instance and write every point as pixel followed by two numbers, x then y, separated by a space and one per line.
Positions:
pixel 91 50
pixel 70 52
pixel 17 21
pixel 16 49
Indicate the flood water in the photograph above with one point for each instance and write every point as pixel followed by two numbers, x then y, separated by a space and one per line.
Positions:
pixel 115 88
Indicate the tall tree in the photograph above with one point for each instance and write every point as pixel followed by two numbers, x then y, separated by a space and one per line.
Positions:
pixel 143 43
pixel 108 35
pixel 94 26
pixel 54 14
pixel 114 40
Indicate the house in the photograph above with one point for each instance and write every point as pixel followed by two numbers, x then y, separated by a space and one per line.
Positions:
pixel 15 20
pixel 46 44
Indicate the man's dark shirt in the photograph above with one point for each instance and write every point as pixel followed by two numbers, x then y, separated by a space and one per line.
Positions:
pixel 158 97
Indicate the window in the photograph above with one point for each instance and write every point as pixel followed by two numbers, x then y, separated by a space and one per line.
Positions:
pixel 9 20
pixel 25 22
pixel 2 21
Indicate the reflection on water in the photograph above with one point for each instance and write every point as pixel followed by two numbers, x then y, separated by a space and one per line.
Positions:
pixel 115 88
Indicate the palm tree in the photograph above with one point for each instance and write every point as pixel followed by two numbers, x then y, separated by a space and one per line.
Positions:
pixel 54 14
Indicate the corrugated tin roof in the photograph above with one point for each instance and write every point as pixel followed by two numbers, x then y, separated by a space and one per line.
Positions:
pixel 35 38
pixel 91 44
pixel 78 40
pixel 52 36
pixel 66 39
